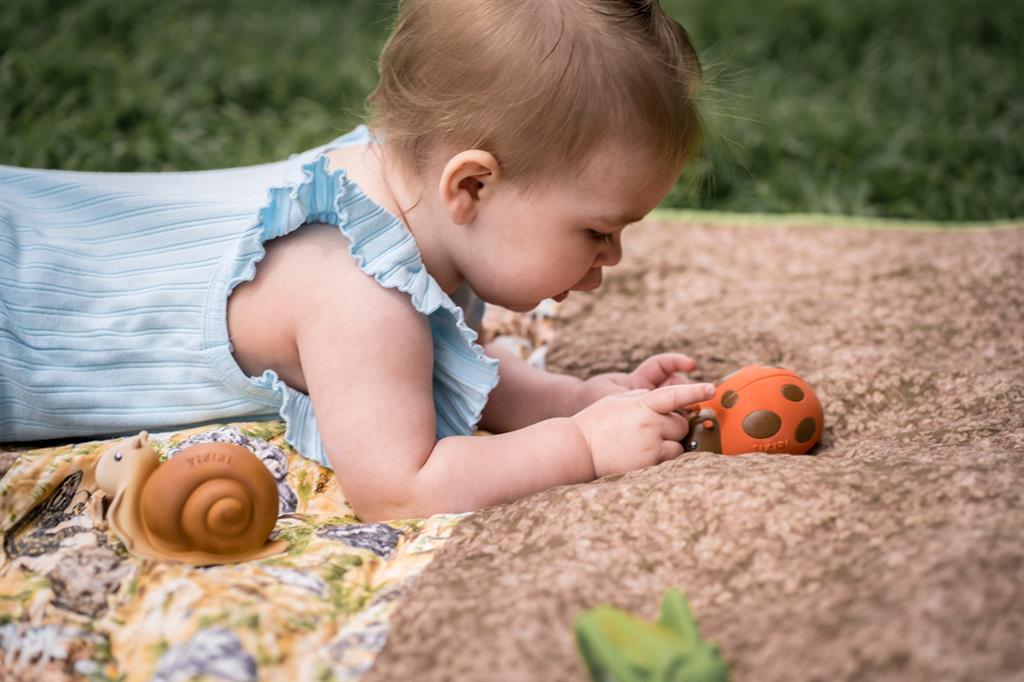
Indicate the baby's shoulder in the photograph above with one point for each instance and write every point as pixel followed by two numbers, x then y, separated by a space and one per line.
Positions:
pixel 320 257
pixel 332 291
pixel 312 290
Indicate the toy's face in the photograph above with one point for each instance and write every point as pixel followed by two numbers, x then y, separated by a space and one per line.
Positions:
pixel 705 433
pixel 118 463
pixel 765 409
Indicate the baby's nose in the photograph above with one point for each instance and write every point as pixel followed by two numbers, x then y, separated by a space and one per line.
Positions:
pixel 610 254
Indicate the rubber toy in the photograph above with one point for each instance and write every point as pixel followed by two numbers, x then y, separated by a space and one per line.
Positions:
pixel 616 645
pixel 212 503
pixel 757 409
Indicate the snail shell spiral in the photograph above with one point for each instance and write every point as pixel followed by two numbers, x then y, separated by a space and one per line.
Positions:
pixel 213 497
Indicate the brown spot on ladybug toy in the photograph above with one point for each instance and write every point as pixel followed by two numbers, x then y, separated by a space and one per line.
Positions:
pixel 757 409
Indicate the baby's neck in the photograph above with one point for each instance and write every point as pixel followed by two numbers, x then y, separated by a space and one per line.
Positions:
pixel 382 182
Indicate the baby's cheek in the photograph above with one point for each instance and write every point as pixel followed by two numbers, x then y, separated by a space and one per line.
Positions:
pixel 566 277
pixel 574 266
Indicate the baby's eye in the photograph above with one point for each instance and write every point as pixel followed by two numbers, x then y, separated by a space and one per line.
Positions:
pixel 600 236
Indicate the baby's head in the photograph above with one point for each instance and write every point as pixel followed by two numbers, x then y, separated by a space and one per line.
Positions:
pixel 534 131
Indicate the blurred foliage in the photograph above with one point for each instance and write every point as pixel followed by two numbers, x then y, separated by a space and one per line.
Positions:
pixel 899 108
pixel 132 85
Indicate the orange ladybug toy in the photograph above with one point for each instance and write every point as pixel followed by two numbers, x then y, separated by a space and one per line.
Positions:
pixel 757 409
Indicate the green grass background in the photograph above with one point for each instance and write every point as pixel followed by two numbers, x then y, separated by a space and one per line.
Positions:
pixel 885 108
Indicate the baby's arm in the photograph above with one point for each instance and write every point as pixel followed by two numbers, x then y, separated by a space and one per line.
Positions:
pixel 525 394
pixel 366 356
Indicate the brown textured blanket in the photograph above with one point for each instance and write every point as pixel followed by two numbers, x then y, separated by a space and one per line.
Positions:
pixel 896 552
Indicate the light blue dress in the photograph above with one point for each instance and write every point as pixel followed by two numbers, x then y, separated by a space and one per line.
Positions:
pixel 114 288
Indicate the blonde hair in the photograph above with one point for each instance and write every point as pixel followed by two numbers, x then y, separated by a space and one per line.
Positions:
pixel 537 83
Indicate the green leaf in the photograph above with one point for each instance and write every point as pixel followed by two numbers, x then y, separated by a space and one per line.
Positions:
pixel 617 646
pixel 677 616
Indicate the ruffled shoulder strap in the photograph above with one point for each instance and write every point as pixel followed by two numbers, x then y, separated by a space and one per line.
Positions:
pixel 383 247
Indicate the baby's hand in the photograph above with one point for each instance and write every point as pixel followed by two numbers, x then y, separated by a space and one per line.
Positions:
pixel 659 370
pixel 638 428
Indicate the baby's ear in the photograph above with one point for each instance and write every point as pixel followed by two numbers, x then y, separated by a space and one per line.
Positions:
pixel 464 178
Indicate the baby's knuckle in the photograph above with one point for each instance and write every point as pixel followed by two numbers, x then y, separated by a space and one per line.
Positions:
pixel 654 420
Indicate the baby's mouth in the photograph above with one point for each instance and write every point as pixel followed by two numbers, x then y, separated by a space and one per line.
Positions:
pixel 561 296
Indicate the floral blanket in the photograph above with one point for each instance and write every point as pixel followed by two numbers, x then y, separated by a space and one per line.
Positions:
pixel 75 605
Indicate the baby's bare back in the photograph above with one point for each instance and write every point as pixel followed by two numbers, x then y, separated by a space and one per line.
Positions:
pixel 263 314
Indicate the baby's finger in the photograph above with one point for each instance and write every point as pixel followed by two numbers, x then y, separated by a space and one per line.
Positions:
pixel 654 370
pixel 670 398
pixel 670 449
pixel 677 379
pixel 675 427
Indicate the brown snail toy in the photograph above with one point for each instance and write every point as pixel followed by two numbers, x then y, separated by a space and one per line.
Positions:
pixel 213 503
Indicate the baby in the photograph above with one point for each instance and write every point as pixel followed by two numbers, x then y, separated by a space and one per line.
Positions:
pixel 510 144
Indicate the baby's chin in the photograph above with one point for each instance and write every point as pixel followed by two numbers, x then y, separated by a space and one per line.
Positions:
pixel 527 307
pixel 520 307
